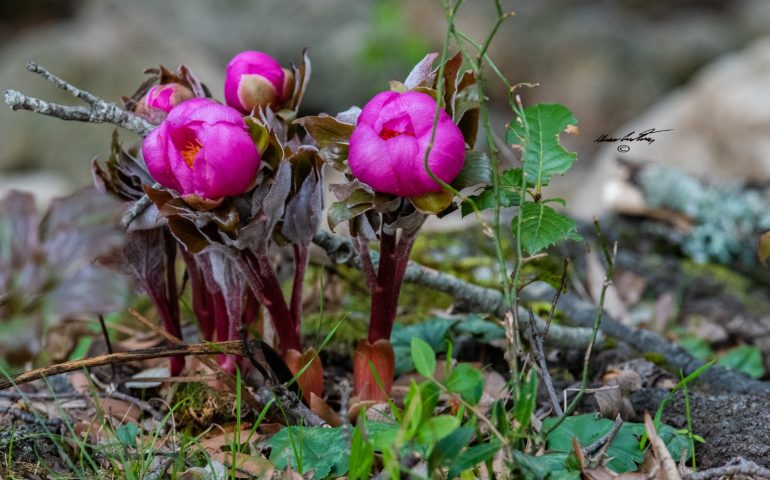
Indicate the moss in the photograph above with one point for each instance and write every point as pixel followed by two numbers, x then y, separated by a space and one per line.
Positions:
pixel 731 283
pixel 200 405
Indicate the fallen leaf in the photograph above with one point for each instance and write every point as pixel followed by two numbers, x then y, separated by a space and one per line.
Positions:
pixel 323 410
pixel 667 465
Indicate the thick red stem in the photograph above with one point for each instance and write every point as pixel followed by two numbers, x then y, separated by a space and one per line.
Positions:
pixel 169 310
pixel 266 288
pixel 383 313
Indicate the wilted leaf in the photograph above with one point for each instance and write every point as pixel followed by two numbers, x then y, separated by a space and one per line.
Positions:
pixel 543 156
pixel 422 73
pixel 326 130
pixel 434 202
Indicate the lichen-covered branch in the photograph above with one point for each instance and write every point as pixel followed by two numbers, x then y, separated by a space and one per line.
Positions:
pixel 579 313
pixel 97 111
pixel 472 298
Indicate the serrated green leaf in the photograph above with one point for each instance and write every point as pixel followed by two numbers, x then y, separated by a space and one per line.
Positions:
pixel 437 428
pixel 423 357
pixel 543 155
pixel 322 450
pixel 542 226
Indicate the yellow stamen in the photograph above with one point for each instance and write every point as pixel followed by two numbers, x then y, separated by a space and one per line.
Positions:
pixel 191 151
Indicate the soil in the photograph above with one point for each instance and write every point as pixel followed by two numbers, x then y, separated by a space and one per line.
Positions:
pixel 731 424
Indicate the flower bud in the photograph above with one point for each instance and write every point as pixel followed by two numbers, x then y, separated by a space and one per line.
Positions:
pixel 203 148
pixel 387 148
pixel 167 96
pixel 254 79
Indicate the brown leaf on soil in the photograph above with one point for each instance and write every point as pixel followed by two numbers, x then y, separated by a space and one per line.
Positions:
pixel 225 436
pixel 323 410
pixel 668 470
pixel 246 465
pixel 119 410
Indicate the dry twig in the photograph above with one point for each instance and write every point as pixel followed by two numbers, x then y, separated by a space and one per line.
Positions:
pixel 737 466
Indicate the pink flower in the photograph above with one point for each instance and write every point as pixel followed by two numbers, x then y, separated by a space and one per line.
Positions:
pixel 387 148
pixel 167 96
pixel 254 79
pixel 202 148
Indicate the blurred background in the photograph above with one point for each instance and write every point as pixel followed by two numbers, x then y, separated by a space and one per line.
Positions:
pixel 699 67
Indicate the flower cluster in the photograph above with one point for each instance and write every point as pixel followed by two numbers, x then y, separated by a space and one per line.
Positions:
pixel 240 177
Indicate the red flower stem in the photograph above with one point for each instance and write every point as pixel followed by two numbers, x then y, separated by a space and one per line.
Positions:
pixel 221 318
pixel 169 307
pixel 300 267
pixel 383 313
pixel 202 302
pixel 250 308
pixel 266 288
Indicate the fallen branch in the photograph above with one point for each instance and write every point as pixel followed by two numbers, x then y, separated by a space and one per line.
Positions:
pixel 738 466
pixel 579 313
pixel 472 297
pixel 232 347
pixel 97 111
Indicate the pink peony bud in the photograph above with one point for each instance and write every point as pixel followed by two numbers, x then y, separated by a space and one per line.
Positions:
pixel 167 96
pixel 202 148
pixel 387 148
pixel 254 79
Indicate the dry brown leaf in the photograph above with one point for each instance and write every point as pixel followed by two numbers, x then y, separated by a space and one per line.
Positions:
pixel 246 465
pixel 323 410
pixel 225 436
pixel 664 307
pixel 119 410
pixel 667 465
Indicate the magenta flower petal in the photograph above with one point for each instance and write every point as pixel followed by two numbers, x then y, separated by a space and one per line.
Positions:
pixel 387 148
pixel 202 148
pixel 253 79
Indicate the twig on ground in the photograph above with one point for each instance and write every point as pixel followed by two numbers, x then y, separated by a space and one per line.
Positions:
pixel 97 111
pixel 141 404
pixel 160 471
pixel 29 417
pixel 474 297
pixel 738 465
pixel 262 394
pixel 578 313
pixel 605 440
pixel 231 347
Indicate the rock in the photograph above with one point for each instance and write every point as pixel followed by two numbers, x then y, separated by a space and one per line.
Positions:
pixel 720 123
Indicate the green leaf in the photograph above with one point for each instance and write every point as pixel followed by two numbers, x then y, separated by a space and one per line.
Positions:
pixel 525 404
pixel 510 184
pixel 126 434
pixel 486 200
pixel 473 456
pixel 323 450
pixel 467 381
pixel 697 347
pixel 477 169
pixel 437 428
pixel 540 467
pixel 746 359
pixel 434 331
pixel 542 226
pixel 423 357
pixel 624 452
pixel 448 448
pixel 361 456
pixel 543 155
pixel 484 330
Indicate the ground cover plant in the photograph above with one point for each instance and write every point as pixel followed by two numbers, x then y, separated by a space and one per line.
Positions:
pixel 239 355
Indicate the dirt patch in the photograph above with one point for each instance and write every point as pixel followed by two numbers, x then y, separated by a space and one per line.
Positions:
pixel 732 424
